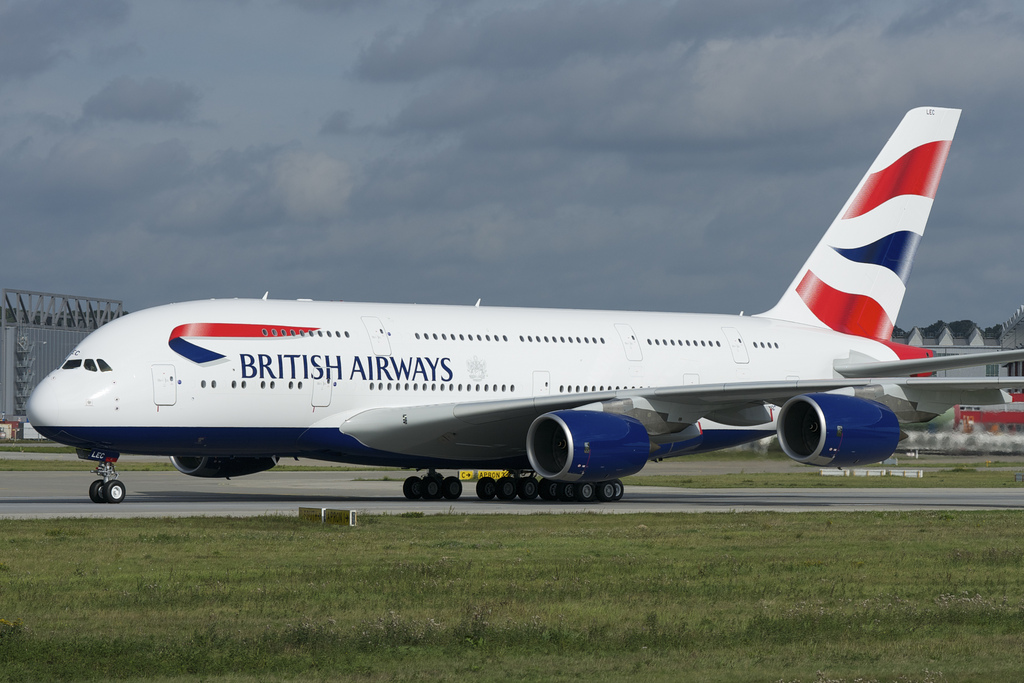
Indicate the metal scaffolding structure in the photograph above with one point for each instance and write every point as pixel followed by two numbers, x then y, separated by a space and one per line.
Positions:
pixel 37 332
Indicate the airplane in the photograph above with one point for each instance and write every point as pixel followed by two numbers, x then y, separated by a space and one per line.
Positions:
pixel 567 401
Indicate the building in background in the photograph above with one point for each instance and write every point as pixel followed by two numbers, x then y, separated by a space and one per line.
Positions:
pixel 37 332
pixel 1013 338
pixel 957 339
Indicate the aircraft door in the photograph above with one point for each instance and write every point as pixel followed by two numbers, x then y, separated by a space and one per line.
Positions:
pixel 630 344
pixel 322 390
pixel 378 336
pixel 165 391
pixel 739 350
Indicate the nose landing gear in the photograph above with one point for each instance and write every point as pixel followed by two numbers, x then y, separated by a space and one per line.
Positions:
pixel 107 489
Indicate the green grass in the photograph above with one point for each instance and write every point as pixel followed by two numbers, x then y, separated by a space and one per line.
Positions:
pixel 894 596
pixel 36 447
pixel 957 477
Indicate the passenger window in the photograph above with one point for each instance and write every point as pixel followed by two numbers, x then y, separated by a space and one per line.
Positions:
pixel 72 364
pixel 90 365
pixel 103 365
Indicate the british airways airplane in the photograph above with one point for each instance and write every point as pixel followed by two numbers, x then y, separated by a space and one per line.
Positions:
pixel 569 401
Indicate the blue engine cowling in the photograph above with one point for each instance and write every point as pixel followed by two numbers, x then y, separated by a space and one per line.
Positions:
pixel 583 445
pixel 830 430
pixel 221 467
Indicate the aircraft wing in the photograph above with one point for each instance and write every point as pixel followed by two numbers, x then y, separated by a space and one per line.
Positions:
pixel 918 366
pixel 496 429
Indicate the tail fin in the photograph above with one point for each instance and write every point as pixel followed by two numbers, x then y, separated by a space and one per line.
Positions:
pixel 854 280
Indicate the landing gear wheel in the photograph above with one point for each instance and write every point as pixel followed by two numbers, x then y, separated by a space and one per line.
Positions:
pixel 566 492
pixel 619 489
pixel 527 488
pixel 432 488
pixel 451 488
pixel 413 488
pixel 506 488
pixel 486 488
pixel 113 491
pixel 96 492
pixel 548 489
pixel 605 491
pixel 585 492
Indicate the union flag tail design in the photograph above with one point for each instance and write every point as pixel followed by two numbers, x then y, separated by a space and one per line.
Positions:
pixel 854 280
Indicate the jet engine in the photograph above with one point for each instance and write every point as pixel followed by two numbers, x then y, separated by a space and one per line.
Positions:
pixel 831 430
pixel 222 467
pixel 586 446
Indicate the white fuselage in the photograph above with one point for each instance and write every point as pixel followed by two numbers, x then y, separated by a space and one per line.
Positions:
pixel 280 368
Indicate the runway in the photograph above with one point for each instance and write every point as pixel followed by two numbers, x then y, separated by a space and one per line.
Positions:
pixel 169 494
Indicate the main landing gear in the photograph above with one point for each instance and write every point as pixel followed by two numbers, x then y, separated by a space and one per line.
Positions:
pixel 432 486
pixel 107 489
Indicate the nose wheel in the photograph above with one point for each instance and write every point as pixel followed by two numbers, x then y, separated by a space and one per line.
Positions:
pixel 106 489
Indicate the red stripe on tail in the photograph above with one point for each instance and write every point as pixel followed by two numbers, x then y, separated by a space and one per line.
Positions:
pixel 916 172
pixel 842 312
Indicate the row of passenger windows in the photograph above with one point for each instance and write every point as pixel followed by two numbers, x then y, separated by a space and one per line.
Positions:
pixel 504 338
pixel 673 342
pixel 555 340
pixel 287 332
pixel 89 364
pixel 462 337
pixel 687 342
pixel 587 388
pixel 415 386
pixel 444 336
pixel 235 384
pixel 398 386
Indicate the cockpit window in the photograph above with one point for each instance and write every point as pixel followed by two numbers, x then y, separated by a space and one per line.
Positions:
pixel 90 365
pixel 103 365
pixel 72 364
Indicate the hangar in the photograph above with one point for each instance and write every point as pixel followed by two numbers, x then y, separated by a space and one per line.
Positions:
pixel 37 332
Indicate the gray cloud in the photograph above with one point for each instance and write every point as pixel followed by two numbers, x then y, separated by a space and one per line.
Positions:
pixel 327 6
pixel 151 101
pixel 153 212
pixel 546 35
pixel 338 123
pixel 114 54
pixel 678 94
pixel 32 31
pixel 675 156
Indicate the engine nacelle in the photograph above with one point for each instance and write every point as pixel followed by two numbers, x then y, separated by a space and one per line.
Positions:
pixel 831 430
pixel 222 467
pixel 583 445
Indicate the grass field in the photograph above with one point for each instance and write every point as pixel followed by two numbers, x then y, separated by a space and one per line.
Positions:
pixel 955 477
pixel 912 596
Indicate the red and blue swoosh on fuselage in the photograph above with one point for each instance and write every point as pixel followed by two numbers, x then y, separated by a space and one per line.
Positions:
pixel 202 356
pixel 915 173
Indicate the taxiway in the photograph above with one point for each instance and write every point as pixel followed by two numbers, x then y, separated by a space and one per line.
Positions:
pixel 169 494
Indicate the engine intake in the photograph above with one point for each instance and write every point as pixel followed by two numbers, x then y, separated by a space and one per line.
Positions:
pixel 831 430
pixel 222 467
pixel 586 446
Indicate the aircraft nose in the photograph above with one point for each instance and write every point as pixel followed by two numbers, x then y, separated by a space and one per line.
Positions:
pixel 43 407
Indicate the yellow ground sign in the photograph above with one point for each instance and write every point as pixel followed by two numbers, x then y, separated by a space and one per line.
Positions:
pixel 468 475
pixel 341 517
pixel 327 516
pixel 311 514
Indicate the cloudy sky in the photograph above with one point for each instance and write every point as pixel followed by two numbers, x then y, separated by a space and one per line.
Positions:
pixel 681 156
